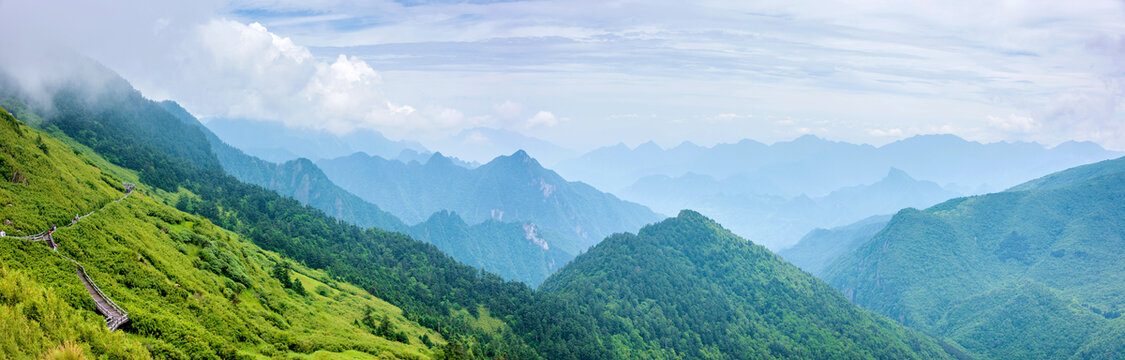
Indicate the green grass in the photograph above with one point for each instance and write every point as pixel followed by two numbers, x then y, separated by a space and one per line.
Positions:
pixel 192 289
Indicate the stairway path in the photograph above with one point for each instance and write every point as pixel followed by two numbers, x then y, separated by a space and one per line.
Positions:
pixel 115 316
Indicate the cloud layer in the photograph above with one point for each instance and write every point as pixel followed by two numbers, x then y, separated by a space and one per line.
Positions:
pixel 865 71
pixel 862 65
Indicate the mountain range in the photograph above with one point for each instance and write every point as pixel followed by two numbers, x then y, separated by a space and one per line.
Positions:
pixel 227 272
pixel 513 250
pixel 774 194
pixel 483 144
pixel 508 188
pixel 793 168
pixel 778 222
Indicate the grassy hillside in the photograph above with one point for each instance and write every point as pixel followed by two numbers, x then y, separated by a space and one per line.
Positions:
pixel 686 288
pixel 1012 275
pixel 192 290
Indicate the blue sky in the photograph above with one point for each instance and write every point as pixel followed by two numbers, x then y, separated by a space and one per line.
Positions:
pixel 590 73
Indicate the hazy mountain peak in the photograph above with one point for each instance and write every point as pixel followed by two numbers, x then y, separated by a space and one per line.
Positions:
pixel 933 140
pixel 1079 147
pixel 687 145
pixel 448 217
pixel 898 174
pixel 519 160
pixel 649 146
pixel 808 138
pixel 749 142
pixel 437 159
pixel 359 155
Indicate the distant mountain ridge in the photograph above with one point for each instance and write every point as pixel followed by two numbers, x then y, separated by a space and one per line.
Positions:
pixel 774 194
pixel 508 188
pixel 483 144
pixel 777 222
pixel 790 168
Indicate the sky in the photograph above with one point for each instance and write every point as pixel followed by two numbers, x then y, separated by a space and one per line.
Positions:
pixel 583 74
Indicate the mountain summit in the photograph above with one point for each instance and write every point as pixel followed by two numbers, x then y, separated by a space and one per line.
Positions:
pixel 711 294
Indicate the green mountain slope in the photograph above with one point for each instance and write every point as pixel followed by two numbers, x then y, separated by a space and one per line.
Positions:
pixel 192 290
pixel 1010 275
pixel 686 288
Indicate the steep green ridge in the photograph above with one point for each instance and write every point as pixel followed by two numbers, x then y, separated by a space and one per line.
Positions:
pixel 192 290
pixel 1018 274
pixel 102 111
pixel 821 247
pixel 506 249
pixel 508 188
pixel 686 288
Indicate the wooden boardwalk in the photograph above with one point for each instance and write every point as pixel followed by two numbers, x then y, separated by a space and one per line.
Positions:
pixel 115 316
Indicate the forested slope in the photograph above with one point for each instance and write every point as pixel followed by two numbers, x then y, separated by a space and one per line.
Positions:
pixel 686 288
pixel 1029 273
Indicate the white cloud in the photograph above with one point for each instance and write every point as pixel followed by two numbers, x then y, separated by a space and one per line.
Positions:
pixel 1014 123
pixel 243 70
pixel 508 109
pixel 543 118
pixel 885 133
